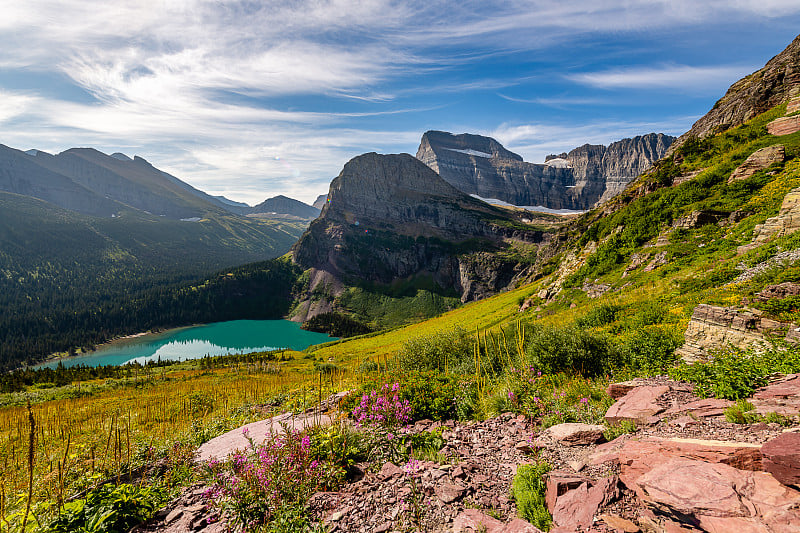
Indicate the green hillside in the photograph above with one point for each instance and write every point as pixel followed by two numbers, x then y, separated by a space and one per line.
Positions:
pixel 56 265
pixel 699 263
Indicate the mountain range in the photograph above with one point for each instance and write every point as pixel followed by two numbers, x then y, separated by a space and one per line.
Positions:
pixel 577 180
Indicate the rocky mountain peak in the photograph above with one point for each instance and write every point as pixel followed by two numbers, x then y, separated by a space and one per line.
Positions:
pixel 576 180
pixel 775 83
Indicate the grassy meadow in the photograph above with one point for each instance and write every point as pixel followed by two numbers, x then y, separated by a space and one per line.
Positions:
pixel 550 363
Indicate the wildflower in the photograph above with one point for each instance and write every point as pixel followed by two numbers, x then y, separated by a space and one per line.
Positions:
pixel 584 400
pixel 510 395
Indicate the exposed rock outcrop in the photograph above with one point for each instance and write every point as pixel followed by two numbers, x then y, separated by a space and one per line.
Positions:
pixel 784 126
pixel 786 222
pixel 576 180
pixel 712 327
pixel 775 83
pixel 758 160
pixel 390 217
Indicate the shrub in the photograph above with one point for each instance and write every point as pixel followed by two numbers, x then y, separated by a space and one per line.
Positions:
pixel 337 325
pixel 615 430
pixel 109 509
pixel 431 395
pixel 651 350
pixel 742 412
pixel 570 349
pixel 734 373
pixel 446 350
pixel 383 407
pixel 528 490
pixel 599 316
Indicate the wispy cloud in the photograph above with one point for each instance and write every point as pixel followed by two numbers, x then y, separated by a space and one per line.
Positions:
pixel 318 81
pixel 682 77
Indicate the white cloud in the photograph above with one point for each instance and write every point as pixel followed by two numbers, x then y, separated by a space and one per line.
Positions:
pixel 682 77
pixel 213 90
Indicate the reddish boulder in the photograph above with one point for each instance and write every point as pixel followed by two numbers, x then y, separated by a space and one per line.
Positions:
pixel 702 408
pixel 782 396
pixel 782 458
pixel 559 483
pixel 641 456
pixel 449 492
pixel 639 405
pixel 576 509
pixel 389 470
pixel 717 497
pixel 609 451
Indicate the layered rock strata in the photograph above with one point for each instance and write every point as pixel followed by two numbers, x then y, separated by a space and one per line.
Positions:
pixel 786 222
pixel 576 180
pixel 758 160
pixel 712 327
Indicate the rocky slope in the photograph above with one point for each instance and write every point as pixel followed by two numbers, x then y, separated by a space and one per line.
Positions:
pixel 684 468
pixel 390 218
pixel 752 95
pixel 575 180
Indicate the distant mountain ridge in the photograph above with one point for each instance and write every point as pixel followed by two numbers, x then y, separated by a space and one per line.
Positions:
pixel 284 205
pixel 577 180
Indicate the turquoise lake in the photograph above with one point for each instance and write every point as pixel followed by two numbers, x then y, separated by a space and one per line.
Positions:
pixel 219 338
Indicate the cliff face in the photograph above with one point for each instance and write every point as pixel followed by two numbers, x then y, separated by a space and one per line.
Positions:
pixel 575 180
pixel 390 217
pixel 774 84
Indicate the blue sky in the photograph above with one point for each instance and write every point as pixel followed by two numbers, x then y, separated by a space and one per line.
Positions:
pixel 253 99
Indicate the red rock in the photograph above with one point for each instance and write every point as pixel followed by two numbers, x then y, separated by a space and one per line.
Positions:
pixel 781 397
pixel 702 408
pixel 474 521
pixel 719 498
pixel 559 483
pixel 389 470
pixel 609 451
pixel 575 434
pixel 618 390
pixel 617 523
pixel 637 406
pixel 640 456
pixel 449 492
pixel 782 458
pixel 576 508
pixel 784 125
pixel 787 387
pixel 518 525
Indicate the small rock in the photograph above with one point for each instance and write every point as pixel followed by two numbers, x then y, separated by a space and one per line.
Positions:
pixel 518 525
pixel 474 521
pixel 389 470
pixel 174 515
pixel 524 447
pixel 618 523
pixel 448 492
pixel 575 434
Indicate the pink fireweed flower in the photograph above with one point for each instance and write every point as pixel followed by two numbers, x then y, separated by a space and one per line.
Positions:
pixel 584 400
